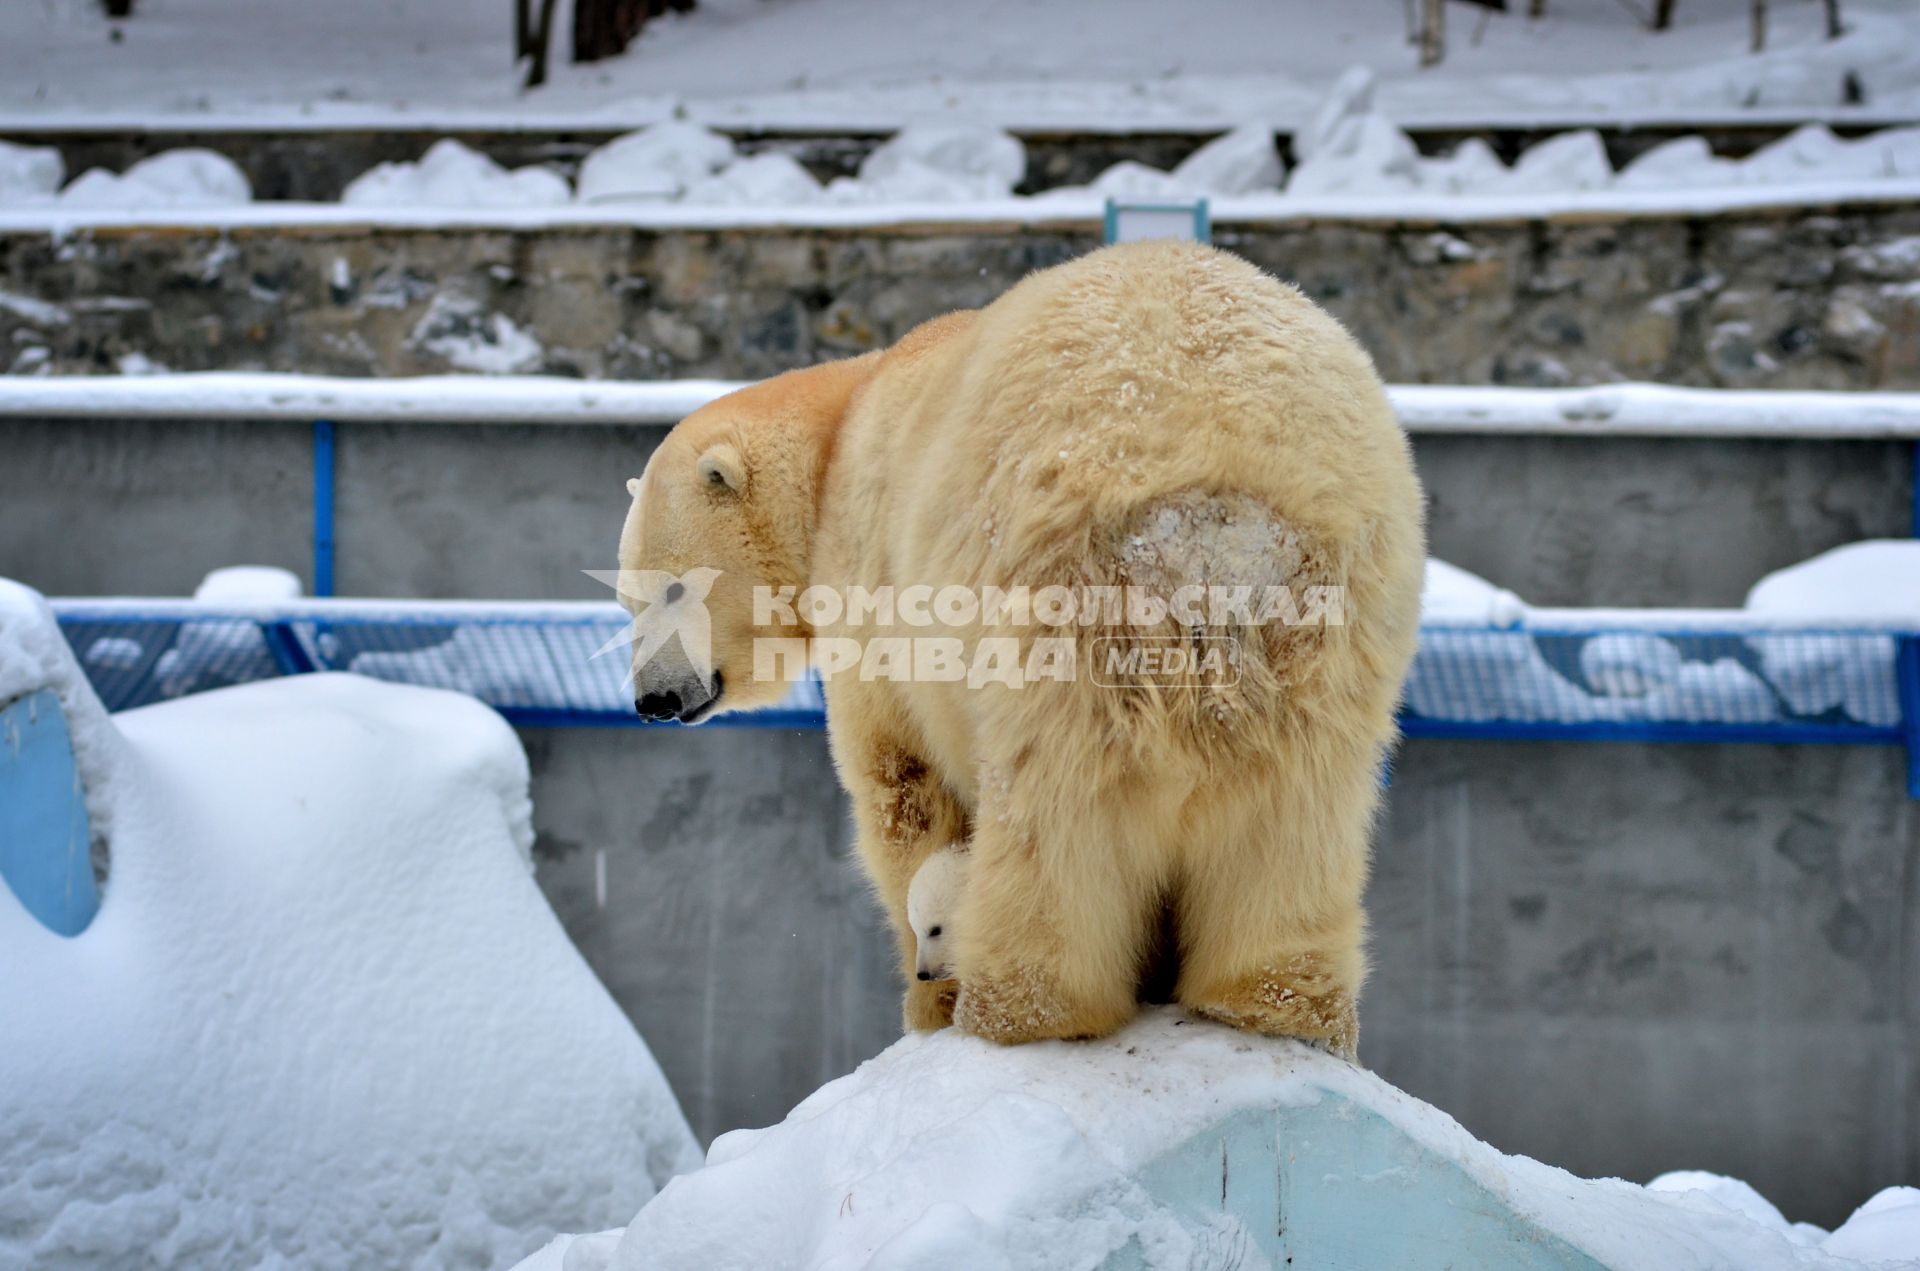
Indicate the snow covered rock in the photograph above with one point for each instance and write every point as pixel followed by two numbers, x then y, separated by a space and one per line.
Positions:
pixel 1884 1232
pixel 1812 153
pixel 655 164
pixel 186 178
pixel 764 180
pixel 243 583
pixel 955 160
pixel 1348 101
pixel 324 1017
pixel 1243 161
pixel 1681 164
pixel 1877 579
pixel 1367 155
pixel 1873 581
pixel 1173 1143
pixel 1472 168
pixel 1570 161
pixel 452 175
pixel 29 175
pixel 1452 596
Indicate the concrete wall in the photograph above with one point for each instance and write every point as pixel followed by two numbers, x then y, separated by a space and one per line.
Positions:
pixel 1819 297
pixel 518 512
pixel 1619 959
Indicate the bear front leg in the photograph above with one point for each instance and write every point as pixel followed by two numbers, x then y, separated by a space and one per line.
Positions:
pixel 903 813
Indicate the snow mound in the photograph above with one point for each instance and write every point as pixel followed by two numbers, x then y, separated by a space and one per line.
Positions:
pixel 1883 1232
pixel 937 163
pixel 324 1017
pixel 29 175
pixel 1451 596
pixel 185 178
pixel 452 175
pixel 1876 578
pixel 947 1151
pixel 241 583
pixel 760 180
pixel 655 164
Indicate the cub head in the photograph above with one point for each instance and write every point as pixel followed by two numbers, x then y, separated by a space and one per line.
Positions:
pixel 726 506
pixel 933 903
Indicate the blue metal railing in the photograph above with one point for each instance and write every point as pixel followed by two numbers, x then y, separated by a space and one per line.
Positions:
pixel 1697 677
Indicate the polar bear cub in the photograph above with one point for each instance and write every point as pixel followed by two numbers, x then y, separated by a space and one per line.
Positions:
pixel 933 902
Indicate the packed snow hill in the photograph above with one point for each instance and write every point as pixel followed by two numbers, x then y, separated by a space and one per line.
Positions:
pixel 871 64
pixel 323 1017
pixel 1179 1144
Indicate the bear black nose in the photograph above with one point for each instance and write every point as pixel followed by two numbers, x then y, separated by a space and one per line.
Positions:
pixel 675 590
pixel 926 975
pixel 658 706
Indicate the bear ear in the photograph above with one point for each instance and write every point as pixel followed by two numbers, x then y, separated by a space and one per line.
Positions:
pixel 720 468
pixel 633 486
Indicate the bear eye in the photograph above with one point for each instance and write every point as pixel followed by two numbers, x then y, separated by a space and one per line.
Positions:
pixel 934 934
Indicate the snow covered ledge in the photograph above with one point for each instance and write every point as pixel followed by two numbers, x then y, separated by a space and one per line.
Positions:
pixel 1182 1144
pixel 324 1016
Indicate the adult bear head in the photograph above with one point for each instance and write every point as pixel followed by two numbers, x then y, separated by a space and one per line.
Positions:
pixel 726 510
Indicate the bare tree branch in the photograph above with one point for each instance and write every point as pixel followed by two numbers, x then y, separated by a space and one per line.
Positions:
pixel 1433 32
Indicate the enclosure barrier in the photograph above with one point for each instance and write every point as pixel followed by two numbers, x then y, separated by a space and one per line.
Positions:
pixel 1557 675
pixel 329 404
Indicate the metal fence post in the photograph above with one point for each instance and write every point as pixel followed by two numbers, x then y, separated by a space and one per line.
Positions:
pixel 322 507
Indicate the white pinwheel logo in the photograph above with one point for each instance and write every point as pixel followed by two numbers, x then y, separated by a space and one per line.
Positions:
pixel 671 634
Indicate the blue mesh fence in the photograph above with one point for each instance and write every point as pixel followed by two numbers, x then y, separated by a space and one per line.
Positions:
pixel 1759 685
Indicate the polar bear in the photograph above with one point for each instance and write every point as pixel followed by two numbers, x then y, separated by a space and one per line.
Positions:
pixel 933 907
pixel 1152 420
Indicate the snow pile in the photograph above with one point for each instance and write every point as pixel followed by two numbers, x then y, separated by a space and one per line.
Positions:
pixel 1482 657
pixel 324 1016
pixel 451 175
pixel 937 163
pixel 947 1151
pixel 186 178
pixel 237 584
pixel 1877 580
pixel 1451 596
pixel 29 175
pixel 1350 148
pixel 676 161
pixel 1242 162
pixel 761 180
pixel 657 163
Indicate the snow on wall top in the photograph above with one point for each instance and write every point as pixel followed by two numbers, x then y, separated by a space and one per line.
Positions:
pixel 947 1151
pixel 324 1016
pixel 1064 210
pixel 1649 410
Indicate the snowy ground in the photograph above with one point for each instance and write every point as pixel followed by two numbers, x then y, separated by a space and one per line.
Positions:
pixel 324 1017
pixel 946 1151
pixel 1119 64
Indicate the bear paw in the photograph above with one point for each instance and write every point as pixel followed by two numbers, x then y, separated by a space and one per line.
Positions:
pixel 928 1007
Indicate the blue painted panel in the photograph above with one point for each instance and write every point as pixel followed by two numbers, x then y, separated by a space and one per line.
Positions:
pixel 1337 1187
pixel 44 837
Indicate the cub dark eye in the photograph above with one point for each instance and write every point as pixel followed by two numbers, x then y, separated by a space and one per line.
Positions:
pixel 934 934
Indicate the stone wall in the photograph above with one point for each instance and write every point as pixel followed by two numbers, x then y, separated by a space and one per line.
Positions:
pixel 1811 298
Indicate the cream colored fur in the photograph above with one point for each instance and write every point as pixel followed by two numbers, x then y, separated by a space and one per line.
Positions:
pixel 1137 416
